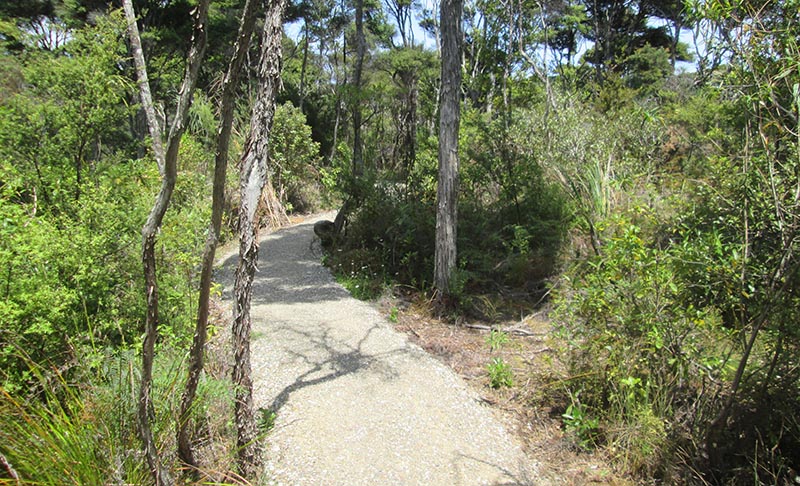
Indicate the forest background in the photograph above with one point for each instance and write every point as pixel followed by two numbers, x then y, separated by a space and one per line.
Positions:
pixel 654 212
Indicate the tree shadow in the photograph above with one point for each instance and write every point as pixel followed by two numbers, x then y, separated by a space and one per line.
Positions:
pixel 522 477
pixel 338 360
pixel 289 270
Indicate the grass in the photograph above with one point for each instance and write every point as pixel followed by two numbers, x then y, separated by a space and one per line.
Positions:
pixel 69 435
pixel 82 430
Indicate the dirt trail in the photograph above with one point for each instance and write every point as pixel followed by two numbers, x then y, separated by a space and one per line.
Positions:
pixel 356 403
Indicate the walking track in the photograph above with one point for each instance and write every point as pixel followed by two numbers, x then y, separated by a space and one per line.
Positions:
pixel 356 403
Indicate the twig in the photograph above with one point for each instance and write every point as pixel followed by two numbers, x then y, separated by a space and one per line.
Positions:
pixel 510 330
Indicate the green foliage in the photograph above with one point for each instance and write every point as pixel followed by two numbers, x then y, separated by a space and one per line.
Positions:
pixel 637 352
pixel 73 199
pixel 647 68
pixel 391 234
pixel 296 161
pixel 266 420
pixel 500 373
pixel 579 424
pixel 69 115
pixel 496 339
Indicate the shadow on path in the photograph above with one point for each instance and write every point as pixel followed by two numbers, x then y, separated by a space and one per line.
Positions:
pixel 336 364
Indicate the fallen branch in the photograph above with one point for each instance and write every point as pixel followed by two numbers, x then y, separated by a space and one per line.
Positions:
pixel 510 330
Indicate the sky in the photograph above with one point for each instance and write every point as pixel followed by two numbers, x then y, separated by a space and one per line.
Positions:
pixel 293 30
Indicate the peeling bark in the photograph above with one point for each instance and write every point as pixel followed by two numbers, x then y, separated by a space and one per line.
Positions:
pixel 167 163
pixel 252 179
pixel 196 354
pixel 449 118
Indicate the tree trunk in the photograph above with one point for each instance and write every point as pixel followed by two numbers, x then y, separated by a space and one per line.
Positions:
pixel 153 126
pixel 303 66
pixel 167 163
pixel 196 354
pixel 361 49
pixel 449 118
pixel 358 154
pixel 252 178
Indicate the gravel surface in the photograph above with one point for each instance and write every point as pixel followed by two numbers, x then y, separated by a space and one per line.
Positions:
pixel 356 403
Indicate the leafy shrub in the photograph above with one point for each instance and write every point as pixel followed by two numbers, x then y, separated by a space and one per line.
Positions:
pixel 295 157
pixel 496 339
pixel 500 373
pixel 637 355
pixel 511 224
pixel 73 199
pixel 579 424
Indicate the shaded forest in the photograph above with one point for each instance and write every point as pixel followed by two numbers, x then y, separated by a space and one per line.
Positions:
pixel 629 168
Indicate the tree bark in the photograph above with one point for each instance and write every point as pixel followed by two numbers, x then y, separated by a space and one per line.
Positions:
pixel 196 354
pixel 144 86
pixel 449 118
pixel 252 178
pixel 304 65
pixel 167 162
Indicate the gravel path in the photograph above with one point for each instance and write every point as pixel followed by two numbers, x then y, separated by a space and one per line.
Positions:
pixel 356 403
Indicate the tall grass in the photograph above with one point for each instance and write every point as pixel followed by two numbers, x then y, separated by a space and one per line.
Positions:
pixel 65 433
pixel 81 430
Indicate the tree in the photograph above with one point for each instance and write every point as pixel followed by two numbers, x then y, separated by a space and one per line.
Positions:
pixel 361 52
pixel 764 216
pixel 196 354
pixel 619 28
pixel 449 118
pixel 252 179
pixel 167 163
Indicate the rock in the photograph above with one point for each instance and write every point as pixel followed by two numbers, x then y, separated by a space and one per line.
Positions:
pixel 326 231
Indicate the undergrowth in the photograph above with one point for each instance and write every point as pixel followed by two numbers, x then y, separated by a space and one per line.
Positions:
pixel 82 430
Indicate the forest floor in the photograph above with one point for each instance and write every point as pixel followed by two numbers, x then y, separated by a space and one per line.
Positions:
pixel 385 394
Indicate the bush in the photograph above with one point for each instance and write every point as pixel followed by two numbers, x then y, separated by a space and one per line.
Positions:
pixel 511 219
pixel 640 358
pixel 296 160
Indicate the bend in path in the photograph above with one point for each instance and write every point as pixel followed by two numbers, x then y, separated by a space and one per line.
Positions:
pixel 356 403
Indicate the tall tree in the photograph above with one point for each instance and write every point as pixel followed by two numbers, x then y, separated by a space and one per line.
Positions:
pixel 196 354
pixel 167 163
pixel 449 118
pixel 361 52
pixel 619 28
pixel 252 179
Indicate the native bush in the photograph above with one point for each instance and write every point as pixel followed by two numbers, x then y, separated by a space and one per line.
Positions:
pixel 511 219
pixel 295 157
pixel 73 199
pixel 639 357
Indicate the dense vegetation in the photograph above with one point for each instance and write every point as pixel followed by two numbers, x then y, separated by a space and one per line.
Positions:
pixel 648 196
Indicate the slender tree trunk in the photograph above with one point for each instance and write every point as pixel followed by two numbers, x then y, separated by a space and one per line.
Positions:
pixel 449 118
pixel 167 162
pixel 303 66
pixel 153 125
pixel 252 178
pixel 196 354
pixel 358 153
pixel 336 127
pixel 361 49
